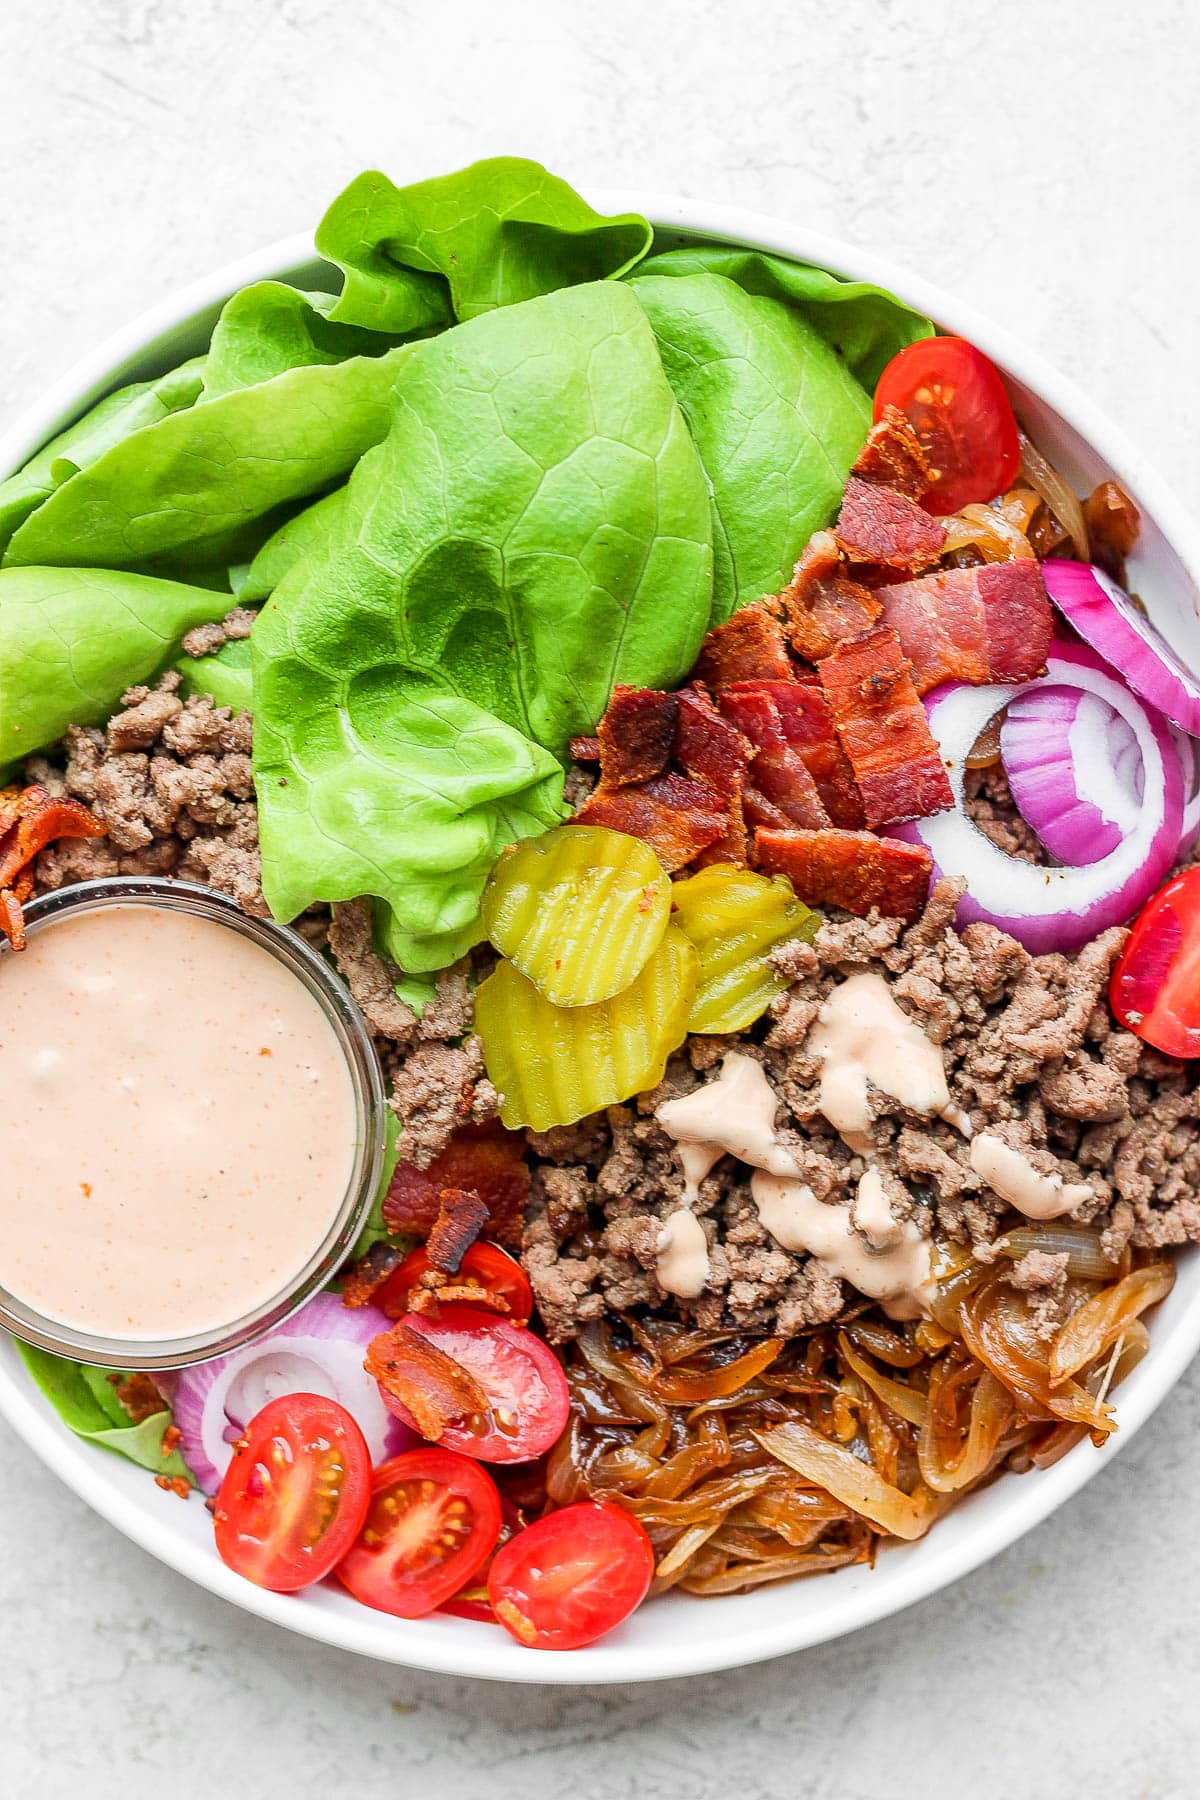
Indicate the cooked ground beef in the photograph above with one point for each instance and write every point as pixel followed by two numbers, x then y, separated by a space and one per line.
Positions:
pixel 1031 1054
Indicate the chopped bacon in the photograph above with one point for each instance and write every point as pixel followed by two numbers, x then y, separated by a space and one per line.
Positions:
pixel 782 778
pixel 676 816
pixel 880 525
pixel 748 647
pixel 851 869
pixel 29 820
pixel 893 457
pixel 708 747
pixel 461 1217
pixel 432 1386
pixel 760 811
pixel 364 1278
pixel 585 749
pixel 991 623
pixel 138 1395
pixel 823 606
pixel 795 715
pixel 636 735
pixel 429 1298
pixel 883 729
pixel 484 1158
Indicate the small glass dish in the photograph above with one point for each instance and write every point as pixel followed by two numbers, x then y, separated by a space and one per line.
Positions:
pixel 334 1000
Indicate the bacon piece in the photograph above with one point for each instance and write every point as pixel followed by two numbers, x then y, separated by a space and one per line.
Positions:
pixel 636 735
pixel 763 812
pixel 782 778
pixel 850 869
pixel 821 603
pixel 880 525
pixel 796 715
pixel 29 820
pixel 893 456
pixel 461 1217
pixel 364 1278
pixel 486 1159
pixel 992 623
pixel 676 816
pixel 748 647
pixel 432 1386
pixel 585 749
pixel 138 1395
pixel 714 751
pixel 883 730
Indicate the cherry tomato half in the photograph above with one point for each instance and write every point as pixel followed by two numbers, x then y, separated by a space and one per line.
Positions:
pixel 1155 987
pixel 955 401
pixel 572 1576
pixel 295 1494
pixel 486 1267
pixel 528 1401
pixel 432 1523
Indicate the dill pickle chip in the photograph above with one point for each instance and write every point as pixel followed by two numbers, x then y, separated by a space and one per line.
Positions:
pixel 580 911
pixel 555 1064
pixel 735 918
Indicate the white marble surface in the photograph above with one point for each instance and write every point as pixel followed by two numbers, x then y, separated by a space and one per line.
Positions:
pixel 1043 161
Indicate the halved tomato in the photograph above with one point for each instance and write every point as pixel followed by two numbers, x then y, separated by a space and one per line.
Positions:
pixel 1155 987
pixel 956 403
pixel 528 1400
pixel 570 1577
pixel 295 1494
pixel 489 1271
pixel 431 1524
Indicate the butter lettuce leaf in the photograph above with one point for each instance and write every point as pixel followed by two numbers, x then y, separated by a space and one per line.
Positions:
pixel 86 1402
pixel 268 328
pixel 501 231
pixel 306 532
pixel 80 445
pixel 72 641
pixel 225 676
pixel 195 481
pixel 865 324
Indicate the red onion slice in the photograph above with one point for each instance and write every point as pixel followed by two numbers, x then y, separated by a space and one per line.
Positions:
pixel 1189 756
pixel 1074 769
pixel 319 1350
pixel 1106 618
pixel 1054 908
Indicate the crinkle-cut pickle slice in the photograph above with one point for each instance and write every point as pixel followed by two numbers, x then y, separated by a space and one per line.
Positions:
pixel 580 911
pixel 555 1064
pixel 735 918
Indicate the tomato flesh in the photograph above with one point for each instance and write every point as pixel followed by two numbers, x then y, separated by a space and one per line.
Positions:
pixel 528 1399
pixel 574 1575
pixel 294 1496
pixel 956 403
pixel 491 1271
pixel 1155 988
pixel 431 1523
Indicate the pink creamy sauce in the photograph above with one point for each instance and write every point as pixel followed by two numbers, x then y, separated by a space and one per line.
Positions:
pixel 178 1126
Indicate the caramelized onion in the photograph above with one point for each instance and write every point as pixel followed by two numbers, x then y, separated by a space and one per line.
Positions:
pixel 1082 1247
pixel 1060 498
pixel 848 1478
pixel 1100 1321
pixel 904 1401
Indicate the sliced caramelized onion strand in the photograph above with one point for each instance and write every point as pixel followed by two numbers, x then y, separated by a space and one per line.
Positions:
pixel 1061 499
pixel 848 1478
pixel 1100 1321
pixel 1082 1247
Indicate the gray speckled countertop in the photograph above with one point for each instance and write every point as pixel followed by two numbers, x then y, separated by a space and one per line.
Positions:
pixel 1044 162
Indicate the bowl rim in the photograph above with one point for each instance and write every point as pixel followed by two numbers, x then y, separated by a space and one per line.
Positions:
pixel 491 1655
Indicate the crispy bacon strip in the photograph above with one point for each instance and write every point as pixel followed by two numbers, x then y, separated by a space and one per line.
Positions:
pixel 461 1217
pixel 486 1159
pixel 992 623
pixel 29 820
pixel 138 1395
pixel 822 605
pixel 794 715
pixel 712 750
pixel 636 735
pixel 883 730
pixel 851 869
pixel 364 1278
pixel 881 525
pixel 585 749
pixel 434 1388
pixel 760 811
pixel 748 647
pixel 428 1300
pixel 893 457
pixel 676 816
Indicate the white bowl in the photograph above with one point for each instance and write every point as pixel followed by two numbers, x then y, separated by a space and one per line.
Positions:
pixel 675 1635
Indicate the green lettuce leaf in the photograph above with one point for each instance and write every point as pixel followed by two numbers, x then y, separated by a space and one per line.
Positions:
pixel 307 532
pixel 86 1402
pixel 268 328
pixel 374 1230
pixel 776 416
pixel 865 324
pixel 196 480
pixel 225 676
pixel 81 444
pixel 72 641
pixel 501 231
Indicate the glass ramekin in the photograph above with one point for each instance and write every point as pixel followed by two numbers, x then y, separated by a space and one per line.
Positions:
pixel 288 948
